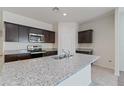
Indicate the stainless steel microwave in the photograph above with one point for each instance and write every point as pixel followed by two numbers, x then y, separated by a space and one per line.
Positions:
pixel 36 38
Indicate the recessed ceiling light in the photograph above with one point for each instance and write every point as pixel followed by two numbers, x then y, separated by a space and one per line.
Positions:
pixel 64 14
pixel 55 9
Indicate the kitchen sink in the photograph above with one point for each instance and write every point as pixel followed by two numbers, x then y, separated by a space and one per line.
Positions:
pixel 61 57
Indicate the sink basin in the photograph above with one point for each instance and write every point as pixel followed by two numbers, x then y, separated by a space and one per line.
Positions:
pixel 61 56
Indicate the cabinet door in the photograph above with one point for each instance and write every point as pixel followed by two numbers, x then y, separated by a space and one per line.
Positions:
pixel 11 58
pixel 81 37
pixel 36 31
pixel 36 55
pixel 47 36
pixel 16 57
pixel 85 36
pixel 23 34
pixel 24 56
pixel 52 37
pixel 89 36
pixel 11 32
pixel 50 53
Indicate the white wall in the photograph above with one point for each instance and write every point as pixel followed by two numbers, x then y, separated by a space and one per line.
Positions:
pixel 55 28
pixel 1 33
pixel 18 45
pixel 103 39
pixel 67 37
pixel 18 19
pixel 116 42
pixel 1 40
pixel 121 39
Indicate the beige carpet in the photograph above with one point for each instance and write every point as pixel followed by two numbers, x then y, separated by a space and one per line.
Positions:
pixel 103 77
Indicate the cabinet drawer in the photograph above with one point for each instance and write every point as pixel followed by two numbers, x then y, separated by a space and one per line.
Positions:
pixel 10 58
pixel 11 32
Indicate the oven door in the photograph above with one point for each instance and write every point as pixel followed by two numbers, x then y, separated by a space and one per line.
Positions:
pixel 33 55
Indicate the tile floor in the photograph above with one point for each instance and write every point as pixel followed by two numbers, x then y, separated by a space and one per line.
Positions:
pixel 103 77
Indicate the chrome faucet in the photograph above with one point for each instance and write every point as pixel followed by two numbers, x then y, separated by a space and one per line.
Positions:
pixel 67 52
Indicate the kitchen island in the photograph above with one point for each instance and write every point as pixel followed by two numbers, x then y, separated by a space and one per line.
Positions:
pixel 47 71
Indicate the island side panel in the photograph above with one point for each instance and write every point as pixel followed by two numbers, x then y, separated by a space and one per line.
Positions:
pixel 81 78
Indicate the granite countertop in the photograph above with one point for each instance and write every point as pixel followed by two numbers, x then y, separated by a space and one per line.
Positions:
pixel 44 71
pixel 7 52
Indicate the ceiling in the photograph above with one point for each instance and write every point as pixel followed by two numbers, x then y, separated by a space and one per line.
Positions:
pixel 74 14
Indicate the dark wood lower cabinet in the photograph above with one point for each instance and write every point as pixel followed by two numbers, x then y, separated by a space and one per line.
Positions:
pixel 10 58
pixel 50 53
pixel 85 52
pixel 16 57
pixel 36 55
pixel 23 56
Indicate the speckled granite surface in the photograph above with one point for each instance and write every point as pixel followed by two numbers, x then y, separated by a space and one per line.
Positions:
pixel 44 71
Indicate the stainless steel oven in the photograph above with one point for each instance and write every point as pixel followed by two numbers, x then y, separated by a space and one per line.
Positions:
pixel 36 38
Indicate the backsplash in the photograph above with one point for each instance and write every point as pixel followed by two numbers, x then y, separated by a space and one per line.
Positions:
pixel 87 46
pixel 18 45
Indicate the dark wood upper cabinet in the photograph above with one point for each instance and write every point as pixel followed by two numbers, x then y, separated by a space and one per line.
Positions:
pixel 49 36
pixel 85 36
pixel 46 36
pixel 11 32
pixel 36 31
pixel 20 33
pixel 23 34
pixel 52 37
